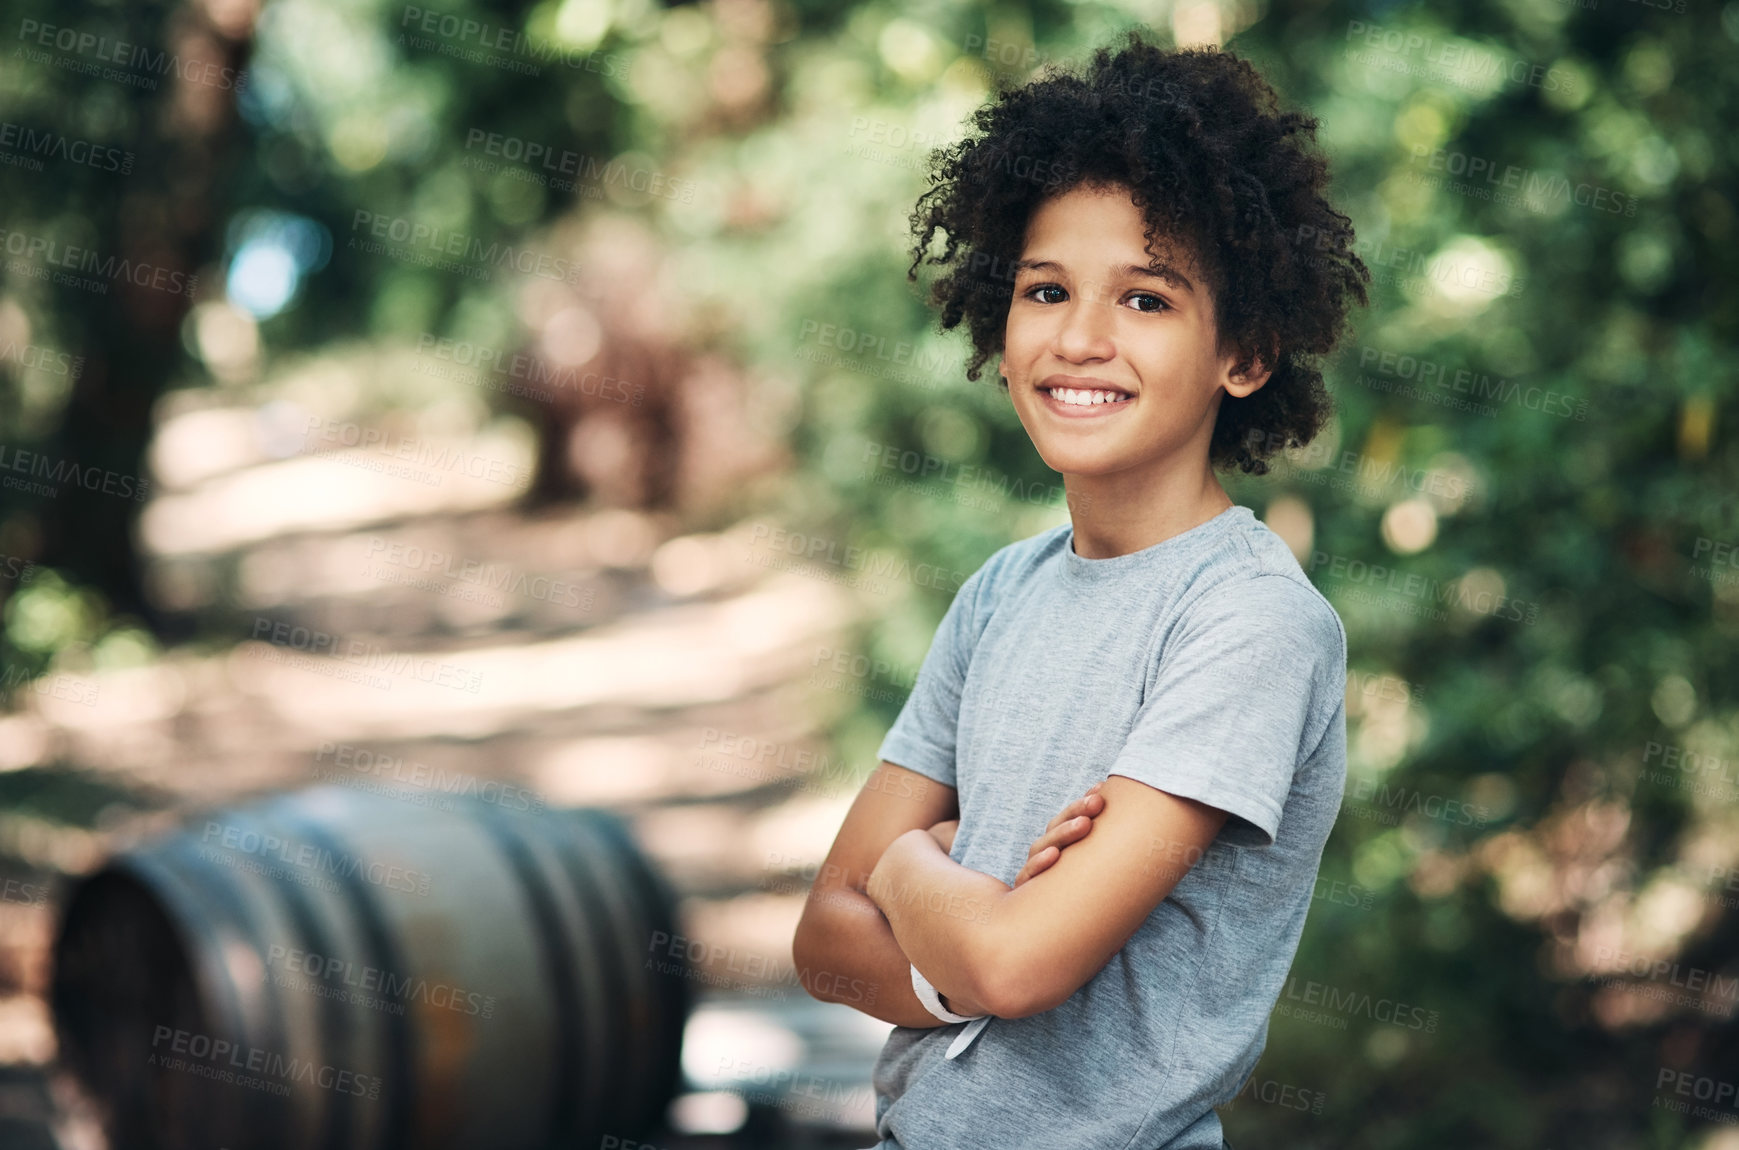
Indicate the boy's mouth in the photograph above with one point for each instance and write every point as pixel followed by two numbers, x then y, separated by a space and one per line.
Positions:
pixel 1083 397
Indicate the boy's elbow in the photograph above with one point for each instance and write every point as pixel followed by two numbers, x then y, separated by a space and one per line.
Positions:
pixel 802 953
pixel 1012 994
pixel 1014 980
pixel 811 986
pixel 809 947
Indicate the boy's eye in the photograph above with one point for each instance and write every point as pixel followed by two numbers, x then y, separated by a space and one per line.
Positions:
pixel 1037 293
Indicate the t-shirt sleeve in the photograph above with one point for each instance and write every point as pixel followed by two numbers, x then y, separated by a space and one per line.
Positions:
pixel 1245 690
pixel 923 737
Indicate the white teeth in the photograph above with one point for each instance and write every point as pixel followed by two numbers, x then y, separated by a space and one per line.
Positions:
pixel 1077 397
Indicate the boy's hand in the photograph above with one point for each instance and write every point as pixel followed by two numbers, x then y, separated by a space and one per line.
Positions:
pixel 943 833
pixel 1070 825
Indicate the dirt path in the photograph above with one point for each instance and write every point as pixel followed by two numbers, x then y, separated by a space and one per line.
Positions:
pixel 609 665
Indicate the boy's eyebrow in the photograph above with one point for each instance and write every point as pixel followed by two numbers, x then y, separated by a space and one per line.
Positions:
pixel 1158 271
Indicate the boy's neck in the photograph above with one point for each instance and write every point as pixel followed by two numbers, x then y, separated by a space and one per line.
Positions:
pixel 1118 514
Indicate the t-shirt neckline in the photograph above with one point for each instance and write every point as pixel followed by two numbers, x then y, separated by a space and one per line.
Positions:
pixel 1183 543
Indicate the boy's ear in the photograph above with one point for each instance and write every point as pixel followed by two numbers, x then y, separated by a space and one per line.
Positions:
pixel 1248 373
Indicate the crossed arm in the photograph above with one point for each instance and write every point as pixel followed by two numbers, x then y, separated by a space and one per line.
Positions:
pixel 889 896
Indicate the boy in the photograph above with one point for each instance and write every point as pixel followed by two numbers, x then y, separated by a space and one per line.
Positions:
pixel 1118 955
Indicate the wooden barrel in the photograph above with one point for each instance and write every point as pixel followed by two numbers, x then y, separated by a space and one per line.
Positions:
pixel 341 970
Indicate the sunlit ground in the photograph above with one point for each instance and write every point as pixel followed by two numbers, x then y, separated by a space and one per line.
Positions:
pixel 593 656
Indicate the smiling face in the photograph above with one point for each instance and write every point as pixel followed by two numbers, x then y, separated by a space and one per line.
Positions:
pixel 1113 368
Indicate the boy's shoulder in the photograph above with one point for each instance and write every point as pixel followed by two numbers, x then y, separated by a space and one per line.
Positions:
pixel 1255 576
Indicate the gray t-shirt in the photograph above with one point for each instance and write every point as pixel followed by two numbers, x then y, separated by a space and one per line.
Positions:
pixel 1206 666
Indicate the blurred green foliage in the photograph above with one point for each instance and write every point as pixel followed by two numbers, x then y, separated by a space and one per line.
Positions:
pixel 1591 497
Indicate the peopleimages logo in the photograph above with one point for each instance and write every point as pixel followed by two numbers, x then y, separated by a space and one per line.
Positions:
pixel 1385 803
pixel 60 685
pixel 147 66
pixel 500 45
pixel 361 984
pixel 118 484
pixel 1357 1002
pixel 51 252
pixel 1474 598
pixel 312 858
pixel 301 646
pixel 1366 472
pixel 410 557
pixel 220 1059
pixel 1488 179
pixel 398 770
pixel 964 483
pixel 1453 61
pixel 874 566
pixel 1701 1087
pixel 1390 370
pixel 1678 767
pixel 31 144
pixel 768 760
pixel 558 162
pixel 43 359
pixel 541 378
pixel 423 243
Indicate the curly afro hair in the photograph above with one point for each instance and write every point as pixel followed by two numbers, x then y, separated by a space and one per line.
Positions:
pixel 1198 139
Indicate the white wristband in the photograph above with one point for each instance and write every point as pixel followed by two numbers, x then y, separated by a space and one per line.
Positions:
pixel 933 1002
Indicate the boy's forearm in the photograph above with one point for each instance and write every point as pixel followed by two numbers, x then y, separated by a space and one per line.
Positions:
pixel 853 959
pixel 940 914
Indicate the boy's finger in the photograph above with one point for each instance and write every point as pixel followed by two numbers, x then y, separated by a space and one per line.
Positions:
pixel 1081 806
pixel 1062 834
pixel 1077 828
pixel 1051 838
pixel 1060 818
pixel 1035 865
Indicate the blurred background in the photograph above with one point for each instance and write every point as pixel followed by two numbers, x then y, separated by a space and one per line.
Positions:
pixel 531 394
